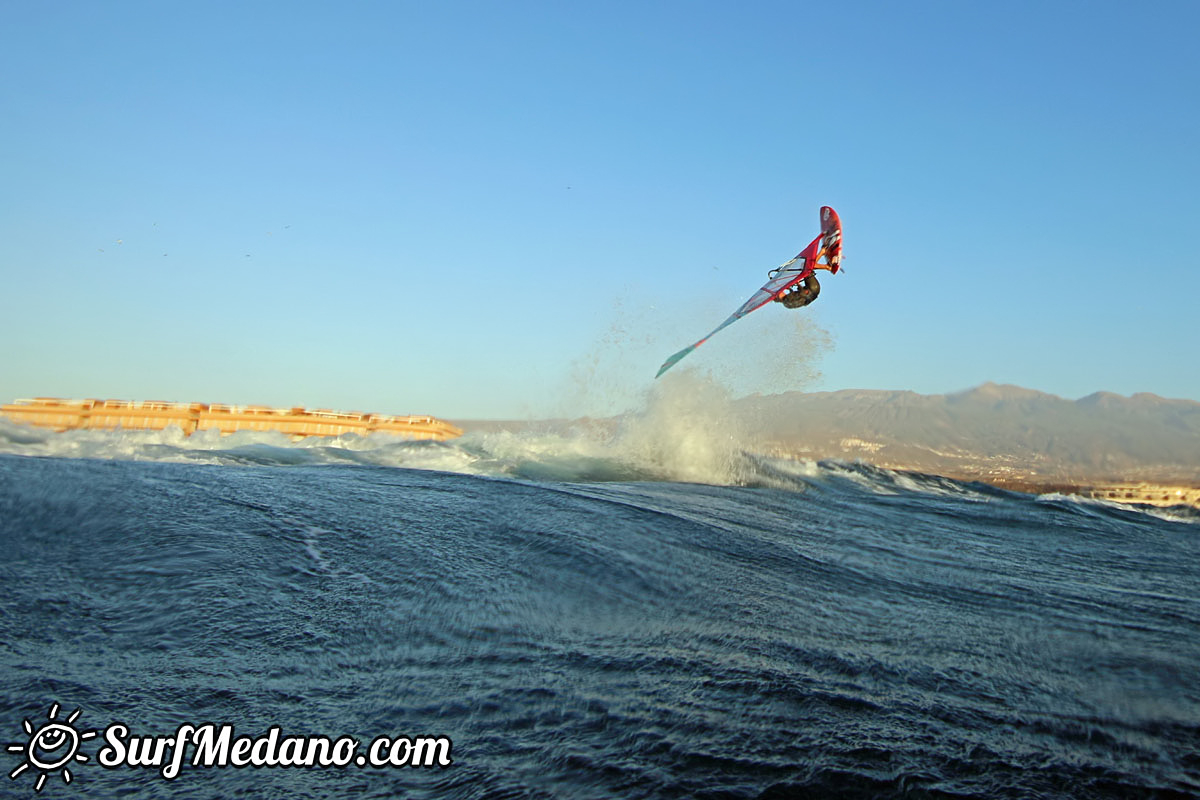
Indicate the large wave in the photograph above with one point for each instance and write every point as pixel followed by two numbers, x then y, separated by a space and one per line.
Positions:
pixel 685 431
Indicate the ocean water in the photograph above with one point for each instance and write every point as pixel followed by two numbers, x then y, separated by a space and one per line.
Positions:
pixel 658 611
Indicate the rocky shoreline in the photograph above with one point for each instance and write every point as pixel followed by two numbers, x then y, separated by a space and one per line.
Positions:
pixel 1140 493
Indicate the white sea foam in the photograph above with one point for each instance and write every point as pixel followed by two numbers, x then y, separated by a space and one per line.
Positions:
pixel 684 431
pixel 1095 505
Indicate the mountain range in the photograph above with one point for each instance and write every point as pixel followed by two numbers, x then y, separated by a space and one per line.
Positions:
pixel 1000 433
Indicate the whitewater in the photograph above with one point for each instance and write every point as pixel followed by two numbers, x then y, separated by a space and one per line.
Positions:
pixel 653 607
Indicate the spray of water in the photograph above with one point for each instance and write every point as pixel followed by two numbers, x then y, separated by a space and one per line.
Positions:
pixel 770 351
pixel 685 426
pixel 685 431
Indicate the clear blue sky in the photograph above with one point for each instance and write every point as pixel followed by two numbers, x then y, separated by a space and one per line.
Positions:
pixel 502 209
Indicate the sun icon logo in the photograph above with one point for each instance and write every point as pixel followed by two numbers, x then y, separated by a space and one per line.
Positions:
pixel 52 747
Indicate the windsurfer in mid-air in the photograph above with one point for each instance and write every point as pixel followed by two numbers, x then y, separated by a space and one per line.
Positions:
pixel 829 246
pixel 793 284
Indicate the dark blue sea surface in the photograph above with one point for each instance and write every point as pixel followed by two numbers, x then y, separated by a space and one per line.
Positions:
pixel 582 626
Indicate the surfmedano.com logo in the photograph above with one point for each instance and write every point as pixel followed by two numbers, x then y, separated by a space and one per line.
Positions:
pixel 52 747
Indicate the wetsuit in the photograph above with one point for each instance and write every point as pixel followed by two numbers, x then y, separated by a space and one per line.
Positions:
pixel 803 294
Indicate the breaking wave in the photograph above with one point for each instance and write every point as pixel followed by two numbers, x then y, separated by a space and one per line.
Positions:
pixel 685 432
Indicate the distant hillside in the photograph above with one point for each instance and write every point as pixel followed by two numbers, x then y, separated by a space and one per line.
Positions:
pixel 1002 434
pixel 990 432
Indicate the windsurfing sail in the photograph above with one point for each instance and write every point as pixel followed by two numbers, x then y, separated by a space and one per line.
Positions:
pixel 828 244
